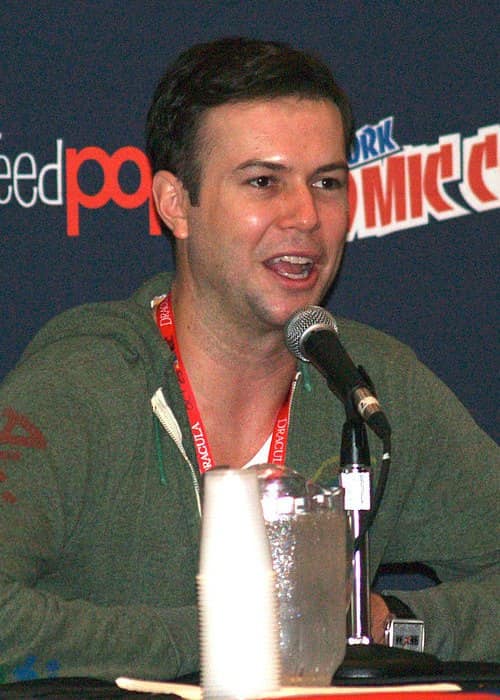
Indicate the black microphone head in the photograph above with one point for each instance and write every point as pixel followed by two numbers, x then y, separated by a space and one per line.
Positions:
pixel 302 322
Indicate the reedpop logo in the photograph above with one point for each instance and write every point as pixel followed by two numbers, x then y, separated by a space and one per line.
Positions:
pixel 391 188
pixel 58 183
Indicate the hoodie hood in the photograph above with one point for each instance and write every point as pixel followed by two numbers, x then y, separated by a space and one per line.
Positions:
pixel 129 323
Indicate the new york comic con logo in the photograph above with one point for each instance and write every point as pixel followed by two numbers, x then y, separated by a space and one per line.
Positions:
pixel 391 188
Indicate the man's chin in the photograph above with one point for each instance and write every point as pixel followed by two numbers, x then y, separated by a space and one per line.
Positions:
pixel 279 315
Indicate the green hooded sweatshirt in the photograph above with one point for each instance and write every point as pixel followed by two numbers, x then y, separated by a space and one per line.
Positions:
pixel 99 504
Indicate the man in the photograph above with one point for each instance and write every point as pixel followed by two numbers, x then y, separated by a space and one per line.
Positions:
pixel 116 409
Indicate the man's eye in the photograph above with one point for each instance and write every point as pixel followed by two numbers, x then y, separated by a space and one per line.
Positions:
pixel 328 183
pixel 262 181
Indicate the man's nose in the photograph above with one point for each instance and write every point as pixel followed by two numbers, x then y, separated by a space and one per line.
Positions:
pixel 299 210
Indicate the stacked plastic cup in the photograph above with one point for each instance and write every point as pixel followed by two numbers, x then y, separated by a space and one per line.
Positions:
pixel 239 634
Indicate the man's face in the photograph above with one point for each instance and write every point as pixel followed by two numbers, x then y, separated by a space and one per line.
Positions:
pixel 268 233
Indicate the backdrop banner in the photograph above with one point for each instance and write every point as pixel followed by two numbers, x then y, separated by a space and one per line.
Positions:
pixel 76 217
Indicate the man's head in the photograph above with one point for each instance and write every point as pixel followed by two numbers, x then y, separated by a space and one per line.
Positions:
pixel 221 72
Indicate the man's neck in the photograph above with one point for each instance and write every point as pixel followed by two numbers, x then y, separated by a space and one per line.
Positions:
pixel 239 379
pixel 213 345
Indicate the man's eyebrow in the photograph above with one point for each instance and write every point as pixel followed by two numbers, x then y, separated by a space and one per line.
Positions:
pixel 271 165
pixel 336 165
pixel 256 163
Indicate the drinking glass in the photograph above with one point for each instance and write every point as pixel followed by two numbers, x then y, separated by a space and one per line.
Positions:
pixel 308 536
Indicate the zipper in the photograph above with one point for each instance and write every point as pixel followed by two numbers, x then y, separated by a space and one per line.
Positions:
pixel 296 380
pixel 166 416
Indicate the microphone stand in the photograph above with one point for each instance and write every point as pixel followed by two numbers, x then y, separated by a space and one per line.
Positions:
pixel 364 660
pixel 355 478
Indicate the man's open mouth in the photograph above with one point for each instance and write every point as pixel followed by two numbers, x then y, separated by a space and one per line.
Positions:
pixel 294 267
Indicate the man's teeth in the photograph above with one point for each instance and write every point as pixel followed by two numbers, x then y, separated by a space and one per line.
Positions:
pixel 291 266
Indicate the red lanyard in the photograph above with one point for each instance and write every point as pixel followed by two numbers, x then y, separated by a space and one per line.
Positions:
pixel 277 452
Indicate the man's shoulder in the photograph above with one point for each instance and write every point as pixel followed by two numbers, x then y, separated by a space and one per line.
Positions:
pixel 154 286
pixel 124 324
pixel 361 338
pixel 391 364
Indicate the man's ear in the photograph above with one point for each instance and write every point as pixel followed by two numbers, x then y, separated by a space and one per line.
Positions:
pixel 171 200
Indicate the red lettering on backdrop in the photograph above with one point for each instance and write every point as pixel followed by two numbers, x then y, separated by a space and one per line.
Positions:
pixel 415 182
pixel 384 200
pixel 352 194
pixel 111 189
pixel 482 156
pixel 439 168
pixel 403 190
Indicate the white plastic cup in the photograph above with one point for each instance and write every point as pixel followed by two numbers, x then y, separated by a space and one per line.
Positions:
pixel 239 636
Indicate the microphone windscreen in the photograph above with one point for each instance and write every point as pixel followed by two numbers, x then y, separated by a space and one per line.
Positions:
pixel 303 320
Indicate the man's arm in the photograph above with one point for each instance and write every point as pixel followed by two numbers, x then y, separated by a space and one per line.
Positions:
pixel 461 617
pixel 444 487
pixel 44 635
pixel 69 468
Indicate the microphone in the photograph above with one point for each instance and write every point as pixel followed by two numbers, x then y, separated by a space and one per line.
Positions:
pixel 311 335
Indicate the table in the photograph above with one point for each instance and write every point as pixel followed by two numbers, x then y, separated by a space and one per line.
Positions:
pixel 480 681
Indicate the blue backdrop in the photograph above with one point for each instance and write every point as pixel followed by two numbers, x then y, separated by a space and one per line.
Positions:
pixel 75 225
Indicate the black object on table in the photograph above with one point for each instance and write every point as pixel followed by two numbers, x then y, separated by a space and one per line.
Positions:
pixel 358 669
pixel 374 664
pixel 91 688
